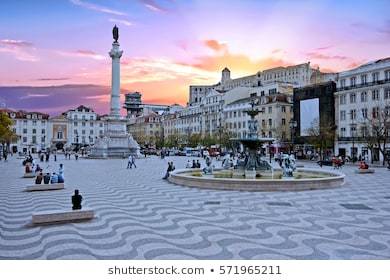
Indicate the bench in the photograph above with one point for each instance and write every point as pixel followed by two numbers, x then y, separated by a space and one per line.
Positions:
pixel 61 216
pixel 29 175
pixel 365 171
pixel 45 187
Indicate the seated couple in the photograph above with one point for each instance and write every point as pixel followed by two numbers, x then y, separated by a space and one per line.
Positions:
pixel 53 179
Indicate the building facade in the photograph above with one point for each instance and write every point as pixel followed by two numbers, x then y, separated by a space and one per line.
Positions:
pixel 362 101
pixel 84 126
pixel 147 130
pixel 32 130
pixel 349 102
pixel 296 75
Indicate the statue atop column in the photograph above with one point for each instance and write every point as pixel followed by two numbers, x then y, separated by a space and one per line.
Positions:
pixel 115 142
pixel 115 34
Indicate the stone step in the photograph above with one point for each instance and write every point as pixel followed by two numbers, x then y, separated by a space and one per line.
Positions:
pixel 45 187
pixel 61 216
pixel 365 171
pixel 29 175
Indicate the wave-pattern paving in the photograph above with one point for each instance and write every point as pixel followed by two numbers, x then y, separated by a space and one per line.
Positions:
pixel 141 216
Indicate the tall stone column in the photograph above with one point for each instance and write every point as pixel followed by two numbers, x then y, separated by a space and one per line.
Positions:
pixel 115 55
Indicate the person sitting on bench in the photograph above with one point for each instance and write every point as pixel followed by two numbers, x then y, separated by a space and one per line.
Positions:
pixel 61 174
pixel 363 165
pixel 76 200
pixel 54 178
pixel 28 169
pixel 38 179
pixel 38 168
pixel 46 178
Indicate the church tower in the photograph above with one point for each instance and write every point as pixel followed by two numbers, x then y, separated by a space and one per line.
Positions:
pixel 225 75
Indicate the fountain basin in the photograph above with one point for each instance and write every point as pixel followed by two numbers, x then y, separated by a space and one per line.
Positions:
pixel 321 180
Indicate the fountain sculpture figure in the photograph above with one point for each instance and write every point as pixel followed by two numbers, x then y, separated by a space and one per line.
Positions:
pixel 252 163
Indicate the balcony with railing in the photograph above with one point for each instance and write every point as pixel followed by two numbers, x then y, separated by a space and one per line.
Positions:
pixel 367 84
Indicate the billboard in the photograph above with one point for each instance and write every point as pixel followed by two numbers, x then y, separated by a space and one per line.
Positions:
pixel 310 115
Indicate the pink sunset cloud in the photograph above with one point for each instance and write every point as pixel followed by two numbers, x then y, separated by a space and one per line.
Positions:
pixel 152 5
pixel 82 53
pixel 98 8
pixel 169 45
pixel 21 50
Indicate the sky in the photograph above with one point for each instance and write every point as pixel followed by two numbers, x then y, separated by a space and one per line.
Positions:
pixel 171 44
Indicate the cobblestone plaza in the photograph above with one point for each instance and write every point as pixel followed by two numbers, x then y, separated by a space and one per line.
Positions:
pixel 141 216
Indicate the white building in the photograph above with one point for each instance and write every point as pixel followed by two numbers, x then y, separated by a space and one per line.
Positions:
pixel 296 75
pixel 84 126
pixel 147 129
pixel 272 121
pixel 31 129
pixel 362 94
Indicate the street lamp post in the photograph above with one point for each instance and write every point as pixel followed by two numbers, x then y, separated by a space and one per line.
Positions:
pixel 43 144
pixel 293 125
pixel 353 134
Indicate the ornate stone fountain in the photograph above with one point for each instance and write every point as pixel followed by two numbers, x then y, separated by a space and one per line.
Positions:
pixel 253 163
pixel 246 174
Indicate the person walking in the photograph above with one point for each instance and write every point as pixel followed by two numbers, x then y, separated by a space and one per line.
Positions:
pixel 169 170
pixel 131 162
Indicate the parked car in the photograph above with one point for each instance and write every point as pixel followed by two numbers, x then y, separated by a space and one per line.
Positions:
pixel 214 150
pixel 326 162
pixel 195 154
pixel 172 152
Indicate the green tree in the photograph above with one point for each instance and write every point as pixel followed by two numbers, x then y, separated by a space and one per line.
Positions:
pixel 226 139
pixel 321 136
pixel 208 140
pixel 194 140
pixel 160 142
pixel 6 133
pixel 172 140
pixel 378 129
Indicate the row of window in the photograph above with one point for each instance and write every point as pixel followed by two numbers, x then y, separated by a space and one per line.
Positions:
pixel 75 117
pixel 34 131
pixel 280 75
pixel 234 114
pixel 34 122
pixel 353 131
pixel 364 113
pixel 83 140
pixel 84 132
pixel 263 123
pixel 33 139
pixel 84 124
pixel 363 79
pixel 375 96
